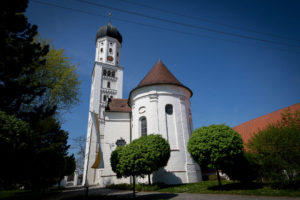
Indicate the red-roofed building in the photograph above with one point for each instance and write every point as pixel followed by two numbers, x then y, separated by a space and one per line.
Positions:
pixel 249 128
pixel 159 104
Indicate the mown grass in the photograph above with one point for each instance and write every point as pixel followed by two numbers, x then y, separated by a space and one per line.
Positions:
pixel 211 187
pixel 27 194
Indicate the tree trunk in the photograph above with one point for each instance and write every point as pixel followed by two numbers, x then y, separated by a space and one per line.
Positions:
pixel 149 181
pixel 219 179
pixel 133 177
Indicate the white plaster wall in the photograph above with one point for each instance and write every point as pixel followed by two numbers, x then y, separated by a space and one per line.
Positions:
pixel 150 102
pixel 105 43
pixel 96 98
pixel 117 126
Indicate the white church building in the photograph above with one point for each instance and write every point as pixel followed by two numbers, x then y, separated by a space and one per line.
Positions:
pixel 159 104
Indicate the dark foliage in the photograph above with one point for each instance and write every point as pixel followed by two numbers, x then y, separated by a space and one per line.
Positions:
pixel 20 57
pixel 277 151
pixel 243 168
pixel 33 147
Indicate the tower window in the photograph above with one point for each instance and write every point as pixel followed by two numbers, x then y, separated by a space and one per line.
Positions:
pixel 104 72
pixel 101 50
pixel 143 123
pixel 110 43
pixel 110 50
pixel 117 54
pixel 108 84
pixel 113 74
pixel 108 73
pixel 101 43
pixel 104 98
pixel 169 109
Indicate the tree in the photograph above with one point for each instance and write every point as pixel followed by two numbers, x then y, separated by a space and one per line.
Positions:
pixel 277 150
pixel 79 144
pixel 60 78
pixel 20 57
pixel 35 84
pixel 243 168
pixel 15 142
pixel 31 75
pixel 141 157
pixel 212 146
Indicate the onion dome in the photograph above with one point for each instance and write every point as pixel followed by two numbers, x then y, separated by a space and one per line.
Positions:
pixel 110 31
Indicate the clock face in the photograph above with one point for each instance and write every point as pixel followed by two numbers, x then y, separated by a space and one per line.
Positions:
pixel 110 58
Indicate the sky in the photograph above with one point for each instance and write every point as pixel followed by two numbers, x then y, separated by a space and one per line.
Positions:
pixel 241 58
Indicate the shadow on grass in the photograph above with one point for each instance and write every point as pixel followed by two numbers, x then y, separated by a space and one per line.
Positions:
pixel 124 196
pixel 237 186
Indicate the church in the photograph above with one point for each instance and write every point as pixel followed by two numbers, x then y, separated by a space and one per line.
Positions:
pixel 159 104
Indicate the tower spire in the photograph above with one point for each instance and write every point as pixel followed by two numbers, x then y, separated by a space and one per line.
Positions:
pixel 109 17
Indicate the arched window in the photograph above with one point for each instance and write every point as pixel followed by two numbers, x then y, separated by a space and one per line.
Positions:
pixel 110 50
pixel 108 84
pixel 169 109
pixel 104 72
pixel 101 50
pixel 104 98
pixel 143 124
pixel 108 73
pixel 113 74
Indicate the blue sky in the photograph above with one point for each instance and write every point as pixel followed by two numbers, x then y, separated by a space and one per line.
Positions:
pixel 234 79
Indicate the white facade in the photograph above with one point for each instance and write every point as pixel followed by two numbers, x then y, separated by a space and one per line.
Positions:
pixel 107 82
pixel 150 102
pixel 165 108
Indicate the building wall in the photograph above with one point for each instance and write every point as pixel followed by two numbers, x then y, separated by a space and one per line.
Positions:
pixel 97 105
pixel 116 126
pixel 150 102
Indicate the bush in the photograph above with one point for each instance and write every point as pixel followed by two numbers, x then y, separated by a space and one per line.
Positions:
pixel 276 150
pixel 243 168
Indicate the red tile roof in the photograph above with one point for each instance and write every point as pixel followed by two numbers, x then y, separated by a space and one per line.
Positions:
pixel 158 75
pixel 118 105
pixel 249 128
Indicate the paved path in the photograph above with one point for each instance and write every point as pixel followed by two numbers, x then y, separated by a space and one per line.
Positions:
pixel 70 192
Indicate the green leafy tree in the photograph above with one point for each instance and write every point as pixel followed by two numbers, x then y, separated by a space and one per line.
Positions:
pixel 35 83
pixel 277 150
pixel 212 146
pixel 141 157
pixel 60 77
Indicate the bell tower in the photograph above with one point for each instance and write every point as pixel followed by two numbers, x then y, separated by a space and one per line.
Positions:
pixel 107 83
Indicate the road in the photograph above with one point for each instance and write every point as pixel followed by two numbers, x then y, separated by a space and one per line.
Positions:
pixel 71 192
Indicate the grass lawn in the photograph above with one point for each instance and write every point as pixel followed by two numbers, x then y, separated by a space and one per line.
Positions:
pixel 211 187
pixel 27 194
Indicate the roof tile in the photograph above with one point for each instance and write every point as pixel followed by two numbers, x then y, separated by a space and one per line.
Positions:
pixel 118 105
pixel 249 128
